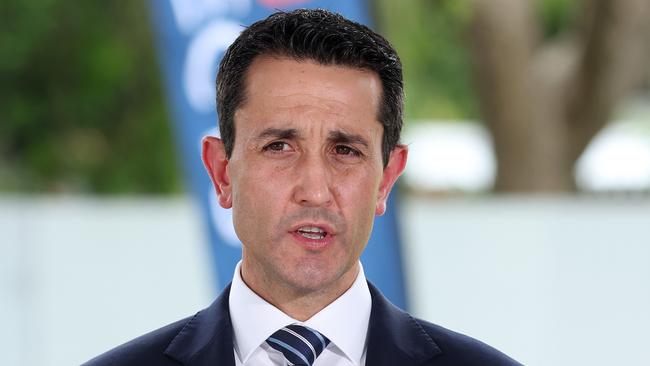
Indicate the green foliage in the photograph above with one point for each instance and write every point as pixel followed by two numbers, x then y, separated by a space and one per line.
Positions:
pixel 429 36
pixel 81 107
pixel 557 16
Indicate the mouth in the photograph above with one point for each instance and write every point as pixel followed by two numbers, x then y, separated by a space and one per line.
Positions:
pixel 312 232
pixel 313 236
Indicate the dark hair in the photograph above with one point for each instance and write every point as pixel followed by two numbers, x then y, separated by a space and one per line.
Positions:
pixel 322 36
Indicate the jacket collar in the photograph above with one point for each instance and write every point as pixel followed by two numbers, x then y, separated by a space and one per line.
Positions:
pixel 394 337
pixel 207 338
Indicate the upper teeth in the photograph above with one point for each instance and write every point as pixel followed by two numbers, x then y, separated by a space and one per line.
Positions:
pixel 311 229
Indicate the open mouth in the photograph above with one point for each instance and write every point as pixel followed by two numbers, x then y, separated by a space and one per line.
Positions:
pixel 312 232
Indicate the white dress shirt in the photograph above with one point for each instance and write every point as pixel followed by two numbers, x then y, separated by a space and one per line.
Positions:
pixel 344 322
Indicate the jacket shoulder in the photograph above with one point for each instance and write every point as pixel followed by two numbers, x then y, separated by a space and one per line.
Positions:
pixel 147 349
pixel 459 349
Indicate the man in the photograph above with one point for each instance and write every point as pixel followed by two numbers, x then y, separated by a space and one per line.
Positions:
pixel 310 113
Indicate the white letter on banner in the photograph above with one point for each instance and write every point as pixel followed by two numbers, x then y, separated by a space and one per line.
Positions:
pixel 200 62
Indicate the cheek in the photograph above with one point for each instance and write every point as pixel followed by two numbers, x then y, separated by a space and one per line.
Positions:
pixel 257 196
pixel 358 201
pixel 359 188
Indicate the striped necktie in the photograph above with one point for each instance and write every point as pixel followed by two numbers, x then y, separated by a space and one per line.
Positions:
pixel 300 345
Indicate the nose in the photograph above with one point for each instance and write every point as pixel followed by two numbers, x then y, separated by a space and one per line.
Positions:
pixel 312 185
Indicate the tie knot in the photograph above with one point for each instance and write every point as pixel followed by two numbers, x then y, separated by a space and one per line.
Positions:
pixel 300 345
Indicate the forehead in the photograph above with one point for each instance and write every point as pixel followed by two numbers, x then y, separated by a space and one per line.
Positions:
pixel 282 89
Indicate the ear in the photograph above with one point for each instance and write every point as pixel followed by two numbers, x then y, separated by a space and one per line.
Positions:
pixel 216 163
pixel 392 171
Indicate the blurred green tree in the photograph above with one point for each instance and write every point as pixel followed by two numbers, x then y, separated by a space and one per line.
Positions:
pixel 81 108
pixel 429 36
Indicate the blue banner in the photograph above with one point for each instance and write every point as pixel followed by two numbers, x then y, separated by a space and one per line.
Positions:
pixel 192 37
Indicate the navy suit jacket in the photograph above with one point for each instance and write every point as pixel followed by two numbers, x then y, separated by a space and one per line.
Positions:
pixel 395 338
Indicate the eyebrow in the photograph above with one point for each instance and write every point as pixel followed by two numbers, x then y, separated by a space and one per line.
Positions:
pixel 336 137
pixel 339 136
pixel 278 133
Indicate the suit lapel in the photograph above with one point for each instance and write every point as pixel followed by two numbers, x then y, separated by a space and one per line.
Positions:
pixel 207 338
pixel 394 337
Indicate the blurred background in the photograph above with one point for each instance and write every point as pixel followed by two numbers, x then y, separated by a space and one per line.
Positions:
pixel 524 211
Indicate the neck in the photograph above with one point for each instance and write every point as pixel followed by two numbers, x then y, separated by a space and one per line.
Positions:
pixel 297 302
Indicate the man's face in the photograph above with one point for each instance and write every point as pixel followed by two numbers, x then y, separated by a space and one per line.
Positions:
pixel 305 178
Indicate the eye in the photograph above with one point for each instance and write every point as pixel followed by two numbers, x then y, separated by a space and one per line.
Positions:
pixel 277 146
pixel 346 150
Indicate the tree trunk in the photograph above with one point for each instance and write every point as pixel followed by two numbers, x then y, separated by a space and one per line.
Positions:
pixel 544 102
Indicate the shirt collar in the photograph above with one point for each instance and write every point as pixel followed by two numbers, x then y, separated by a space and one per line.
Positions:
pixel 344 321
pixel 253 319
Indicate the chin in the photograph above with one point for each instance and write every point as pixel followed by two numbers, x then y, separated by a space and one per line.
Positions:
pixel 314 277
